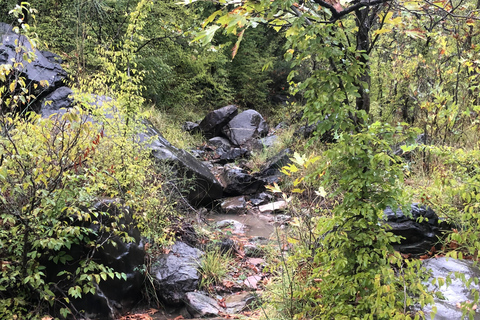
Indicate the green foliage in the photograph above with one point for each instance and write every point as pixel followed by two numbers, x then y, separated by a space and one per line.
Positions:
pixel 350 270
pixel 213 267
pixel 52 170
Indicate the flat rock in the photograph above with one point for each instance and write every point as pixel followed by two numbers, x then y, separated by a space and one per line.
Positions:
pixel 238 302
pixel 235 205
pixel 273 207
pixel 201 305
pixel 207 188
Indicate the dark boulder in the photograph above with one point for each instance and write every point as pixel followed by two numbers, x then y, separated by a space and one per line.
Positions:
pixel 421 231
pixel 176 273
pixel 237 182
pixel 113 297
pixel 246 126
pixel 206 189
pixel 212 124
pixel 40 71
pixel 61 98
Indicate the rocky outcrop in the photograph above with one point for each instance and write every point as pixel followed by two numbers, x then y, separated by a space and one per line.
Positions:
pixel 245 127
pixel 206 188
pixel 421 229
pixel 175 274
pixel 41 74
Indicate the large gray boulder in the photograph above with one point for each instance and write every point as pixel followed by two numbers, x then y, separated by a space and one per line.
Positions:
pixel 206 187
pixel 40 71
pixel 245 127
pixel 213 123
pixel 176 273
pixel 456 292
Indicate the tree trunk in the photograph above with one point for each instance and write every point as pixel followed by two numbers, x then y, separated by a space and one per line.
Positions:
pixel 363 46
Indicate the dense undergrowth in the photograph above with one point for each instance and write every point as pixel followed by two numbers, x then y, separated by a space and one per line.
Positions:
pixel 418 74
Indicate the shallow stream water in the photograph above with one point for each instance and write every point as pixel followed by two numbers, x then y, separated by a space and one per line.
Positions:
pixel 257 225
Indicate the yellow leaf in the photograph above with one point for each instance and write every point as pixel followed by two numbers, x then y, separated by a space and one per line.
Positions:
pixel 12 86
pixel 381 31
pixel 275 188
pixel 297 190
pixel 298 181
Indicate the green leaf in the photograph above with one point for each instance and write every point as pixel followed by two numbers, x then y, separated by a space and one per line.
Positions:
pixel 206 36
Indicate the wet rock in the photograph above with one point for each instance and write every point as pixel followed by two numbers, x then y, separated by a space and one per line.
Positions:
pixel 200 305
pixel 219 142
pixel 237 182
pixel 232 154
pixel 52 57
pixel 456 292
pixel 281 125
pixel 191 127
pixel 198 154
pixel 270 171
pixel 235 205
pixel 113 296
pixel 37 72
pixel 212 124
pixel 227 245
pixel 245 126
pixel 57 102
pixel 308 131
pixel 238 302
pixel 273 207
pixel 261 198
pixel 206 189
pixel 420 237
pixel 234 225
pixel 5 28
pixel 175 273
